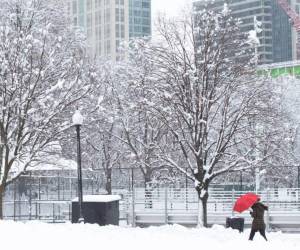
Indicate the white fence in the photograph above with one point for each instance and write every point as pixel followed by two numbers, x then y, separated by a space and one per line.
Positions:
pixel 219 201
pixel 163 206
pixel 170 205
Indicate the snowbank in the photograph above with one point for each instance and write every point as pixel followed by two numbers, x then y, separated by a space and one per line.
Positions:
pixel 99 198
pixel 36 236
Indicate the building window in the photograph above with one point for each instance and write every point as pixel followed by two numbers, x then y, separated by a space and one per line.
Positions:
pixel 146 14
pixel 98 4
pixel 107 16
pixel 98 33
pixel 74 7
pixel 146 30
pixel 69 8
pixel 117 31
pixel 98 48
pixel 107 31
pixel 98 17
pixel 137 20
pixel 75 20
pixel 145 5
pixel 89 33
pixel 122 15
pixel 117 14
pixel 119 2
pixel 107 47
pixel 137 4
pixel 146 22
pixel 89 5
pixel 89 20
pixel 122 31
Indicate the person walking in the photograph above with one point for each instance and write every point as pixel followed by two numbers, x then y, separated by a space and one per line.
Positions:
pixel 258 224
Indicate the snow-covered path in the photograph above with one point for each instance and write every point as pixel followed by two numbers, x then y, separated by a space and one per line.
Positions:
pixel 37 236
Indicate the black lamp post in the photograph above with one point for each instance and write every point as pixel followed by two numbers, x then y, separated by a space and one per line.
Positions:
pixel 241 180
pixel 298 168
pixel 77 122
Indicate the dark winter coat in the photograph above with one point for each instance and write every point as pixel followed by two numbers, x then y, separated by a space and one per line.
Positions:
pixel 258 216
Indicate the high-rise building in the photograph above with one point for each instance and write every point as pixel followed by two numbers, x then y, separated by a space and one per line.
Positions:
pixel 139 18
pixel 281 34
pixel 295 4
pixel 107 23
pixel 277 39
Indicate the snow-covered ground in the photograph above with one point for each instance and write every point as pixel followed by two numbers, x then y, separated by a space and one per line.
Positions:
pixel 36 236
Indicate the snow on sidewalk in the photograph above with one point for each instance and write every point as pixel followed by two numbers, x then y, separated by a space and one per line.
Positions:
pixel 37 236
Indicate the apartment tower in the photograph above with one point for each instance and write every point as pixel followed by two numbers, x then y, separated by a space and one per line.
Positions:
pixel 107 23
pixel 278 37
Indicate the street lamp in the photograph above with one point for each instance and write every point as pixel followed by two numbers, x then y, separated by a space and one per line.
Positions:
pixel 77 120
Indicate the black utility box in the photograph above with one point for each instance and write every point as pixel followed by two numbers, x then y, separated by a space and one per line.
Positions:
pixel 97 209
pixel 235 223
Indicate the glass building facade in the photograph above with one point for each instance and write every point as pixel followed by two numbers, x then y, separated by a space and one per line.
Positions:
pixel 107 23
pixel 281 35
pixel 276 38
pixel 139 18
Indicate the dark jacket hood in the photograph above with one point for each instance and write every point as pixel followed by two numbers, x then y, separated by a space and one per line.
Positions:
pixel 260 206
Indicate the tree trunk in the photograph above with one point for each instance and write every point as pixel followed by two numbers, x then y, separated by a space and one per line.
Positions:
pixel 202 211
pixel 200 222
pixel 1 201
pixel 204 205
pixel 108 187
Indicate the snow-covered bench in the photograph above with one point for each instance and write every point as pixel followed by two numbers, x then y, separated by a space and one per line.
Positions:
pixel 150 219
pixel 279 221
pixel 285 221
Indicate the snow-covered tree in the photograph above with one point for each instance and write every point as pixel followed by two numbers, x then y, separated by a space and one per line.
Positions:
pixel 121 129
pixel 272 131
pixel 143 133
pixel 209 91
pixel 286 160
pixel 42 74
pixel 290 89
pixel 104 150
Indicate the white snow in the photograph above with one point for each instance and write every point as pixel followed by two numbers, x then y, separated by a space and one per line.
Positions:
pixel 77 118
pixel 252 38
pixel 59 164
pixel 99 198
pixel 36 236
pixel 225 10
pixel 203 193
pixel 196 183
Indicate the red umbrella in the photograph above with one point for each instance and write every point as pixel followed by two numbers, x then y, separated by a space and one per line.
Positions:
pixel 245 201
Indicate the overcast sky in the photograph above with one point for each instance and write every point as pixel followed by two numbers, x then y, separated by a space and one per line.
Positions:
pixel 170 7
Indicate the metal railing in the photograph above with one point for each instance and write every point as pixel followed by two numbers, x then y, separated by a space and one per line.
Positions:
pixel 45 210
pixel 54 211
pixel 164 203
pixel 162 206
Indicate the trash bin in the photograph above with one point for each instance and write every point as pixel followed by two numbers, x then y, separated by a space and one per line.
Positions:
pixel 235 223
pixel 97 209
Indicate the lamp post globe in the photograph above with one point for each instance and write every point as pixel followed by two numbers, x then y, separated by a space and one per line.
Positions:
pixel 77 120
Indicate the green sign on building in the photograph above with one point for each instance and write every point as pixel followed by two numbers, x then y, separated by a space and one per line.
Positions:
pixel 280 69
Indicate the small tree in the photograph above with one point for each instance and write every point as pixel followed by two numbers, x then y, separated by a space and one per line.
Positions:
pixel 143 132
pixel 105 150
